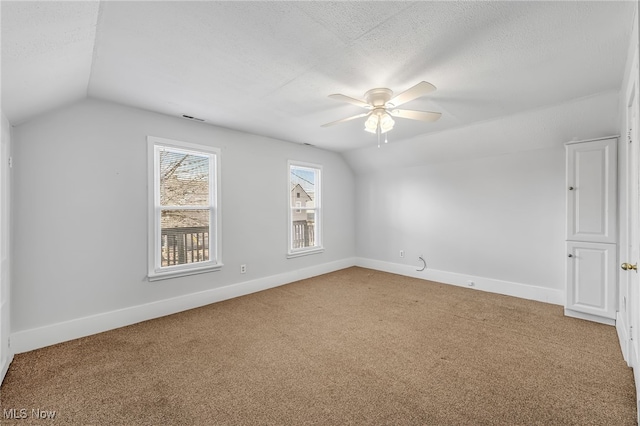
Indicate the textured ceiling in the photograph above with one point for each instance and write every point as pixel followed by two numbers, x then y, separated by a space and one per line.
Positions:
pixel 268 67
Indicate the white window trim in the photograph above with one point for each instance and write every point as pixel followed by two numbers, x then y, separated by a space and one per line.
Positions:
pixel 318 248
pixel 155 272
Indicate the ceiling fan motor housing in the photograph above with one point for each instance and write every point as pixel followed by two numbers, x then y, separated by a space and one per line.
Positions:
pixel 378 97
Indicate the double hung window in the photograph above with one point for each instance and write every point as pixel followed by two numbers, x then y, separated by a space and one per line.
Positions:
pixel 305 209
pixel 184 235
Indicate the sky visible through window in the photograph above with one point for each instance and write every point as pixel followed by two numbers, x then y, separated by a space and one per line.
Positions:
pixel 306 178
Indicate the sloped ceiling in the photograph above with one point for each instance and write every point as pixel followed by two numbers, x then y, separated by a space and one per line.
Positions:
pixel 268 67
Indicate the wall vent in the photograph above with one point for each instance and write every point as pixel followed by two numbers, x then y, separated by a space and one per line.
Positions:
pixel 190 117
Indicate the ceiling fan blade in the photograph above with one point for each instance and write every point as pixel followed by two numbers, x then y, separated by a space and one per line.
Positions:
pixel 350 100
pixel 412 93
pixel 415 115
pixel 364 114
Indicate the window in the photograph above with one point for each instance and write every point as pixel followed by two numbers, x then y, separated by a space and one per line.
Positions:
pixel 184 236
pixel 304 202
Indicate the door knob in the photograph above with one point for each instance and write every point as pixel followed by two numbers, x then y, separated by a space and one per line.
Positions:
pixel 627 266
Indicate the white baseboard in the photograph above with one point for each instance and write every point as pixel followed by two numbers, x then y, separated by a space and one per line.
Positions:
pixel 623 337
pixel 633 357
pixel 629 355
pixel 589 317
pixel 5 366
pixel 523 291
pixel 35 338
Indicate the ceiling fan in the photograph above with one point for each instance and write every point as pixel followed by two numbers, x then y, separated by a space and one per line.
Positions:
pixel 382 106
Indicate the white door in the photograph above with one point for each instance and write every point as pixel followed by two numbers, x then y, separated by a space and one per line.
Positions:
pixel 630 248
pixel 633 223
pixel 5 355
pixel 592 191
pixel 591 280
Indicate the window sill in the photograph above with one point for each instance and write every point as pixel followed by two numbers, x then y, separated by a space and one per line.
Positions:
pixel 295 254
pixel 164 275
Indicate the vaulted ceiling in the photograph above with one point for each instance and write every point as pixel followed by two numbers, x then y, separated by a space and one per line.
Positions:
pixel 268 67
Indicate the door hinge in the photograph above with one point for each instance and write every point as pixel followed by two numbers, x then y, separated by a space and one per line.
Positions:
pixel 10 162
pixel 630 332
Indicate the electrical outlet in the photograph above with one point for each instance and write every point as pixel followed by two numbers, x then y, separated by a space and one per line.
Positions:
pixel 401 253
pixel 243 269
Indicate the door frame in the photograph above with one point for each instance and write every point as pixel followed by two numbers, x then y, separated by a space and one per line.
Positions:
pixel 6 355
pixel 628 316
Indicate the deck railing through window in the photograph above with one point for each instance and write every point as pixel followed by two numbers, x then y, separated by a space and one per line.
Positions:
pixel 184 245
pixel 303 234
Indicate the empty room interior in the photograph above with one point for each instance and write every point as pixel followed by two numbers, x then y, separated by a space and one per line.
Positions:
pixel 319 212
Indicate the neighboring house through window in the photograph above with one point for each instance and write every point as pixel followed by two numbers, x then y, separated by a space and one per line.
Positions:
pixel 304 209
pixel 184 235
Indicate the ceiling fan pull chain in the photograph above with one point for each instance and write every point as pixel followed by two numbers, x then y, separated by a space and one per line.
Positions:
pixel 378 135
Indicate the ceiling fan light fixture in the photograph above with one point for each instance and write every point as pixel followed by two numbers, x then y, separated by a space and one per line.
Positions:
pixel 386 123
pixel 371 125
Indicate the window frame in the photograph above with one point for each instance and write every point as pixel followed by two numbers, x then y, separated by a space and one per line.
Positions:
pixel 155 269
pixel 318 240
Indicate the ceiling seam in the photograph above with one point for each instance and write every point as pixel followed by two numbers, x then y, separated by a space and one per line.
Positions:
pixel 94 52
pixel 390 17
pixel 346 42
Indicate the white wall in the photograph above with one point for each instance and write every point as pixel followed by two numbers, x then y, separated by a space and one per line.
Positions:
pixel 496 218
pixel 585 118
pixel 80 183
pixel 6 354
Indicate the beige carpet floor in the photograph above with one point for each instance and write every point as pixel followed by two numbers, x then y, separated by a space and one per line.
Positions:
pixel 356 347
